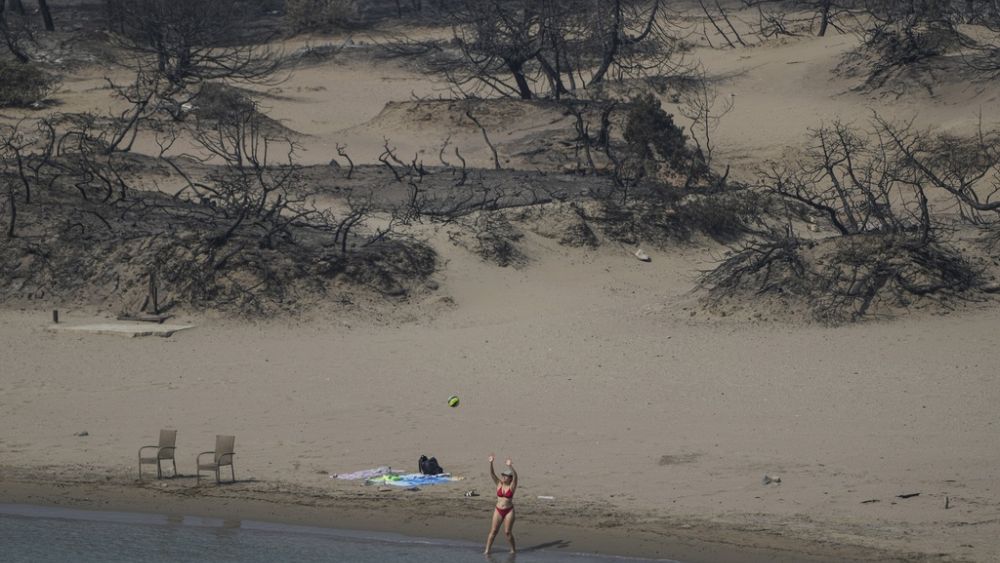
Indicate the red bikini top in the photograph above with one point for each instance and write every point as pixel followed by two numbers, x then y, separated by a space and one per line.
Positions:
pixel 508 494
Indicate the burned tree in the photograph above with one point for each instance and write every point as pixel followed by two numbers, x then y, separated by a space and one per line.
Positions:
pixel 984 57
pixel 854 181
pixel 968 169
pixel 16 28
pixel 13 34
pixel 777 16
pixel 189 42
pixel 25 154
pixel 43 9
pixel 526 48
pixel 12 146
pixel 243 235
pixel 496 40
pixel 248 192
pixel 888 247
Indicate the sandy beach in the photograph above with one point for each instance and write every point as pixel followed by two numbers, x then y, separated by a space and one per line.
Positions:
pixel 584 370
pixel 652 425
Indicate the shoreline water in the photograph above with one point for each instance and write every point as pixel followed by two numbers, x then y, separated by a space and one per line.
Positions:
pixel 38 512
pixel 430 516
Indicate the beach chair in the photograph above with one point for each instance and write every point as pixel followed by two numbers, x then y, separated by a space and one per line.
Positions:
pixel 221 457
pixel 164 451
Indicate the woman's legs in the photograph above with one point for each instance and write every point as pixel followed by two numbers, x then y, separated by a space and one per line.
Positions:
pixel 494 528
pixel 508 530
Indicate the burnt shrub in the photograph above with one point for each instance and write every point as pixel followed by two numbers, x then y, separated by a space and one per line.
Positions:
pixel 841 279
pixel 653 139
pixel 23 84
pixel 218 101
pixel 318 15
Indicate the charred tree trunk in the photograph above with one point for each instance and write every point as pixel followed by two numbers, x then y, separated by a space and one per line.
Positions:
pixel 614 42
pixel 604 136
pixel 517 69
pixel 12 201
pixel 11 41
pixel 554 75
pixel 154 293
pixel 43 7
pixel 824 17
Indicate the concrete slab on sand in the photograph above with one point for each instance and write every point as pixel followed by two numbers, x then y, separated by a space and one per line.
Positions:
pixel 130 330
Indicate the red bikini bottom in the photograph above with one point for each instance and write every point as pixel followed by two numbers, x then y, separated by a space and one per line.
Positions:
pixel 503 512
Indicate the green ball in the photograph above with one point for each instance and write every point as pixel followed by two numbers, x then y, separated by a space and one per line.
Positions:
pixel 453 401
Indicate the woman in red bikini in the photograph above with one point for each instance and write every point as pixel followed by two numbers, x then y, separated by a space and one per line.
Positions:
pixel 504 513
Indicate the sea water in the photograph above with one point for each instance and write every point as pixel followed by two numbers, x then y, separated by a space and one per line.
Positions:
pixel 39 534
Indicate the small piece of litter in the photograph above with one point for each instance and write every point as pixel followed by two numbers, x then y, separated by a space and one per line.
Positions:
pixel 642 255
pixel 908 495
pixel 81 434
pixel 870 501
pixel 767 480
pixel 546 497
pixel 471 493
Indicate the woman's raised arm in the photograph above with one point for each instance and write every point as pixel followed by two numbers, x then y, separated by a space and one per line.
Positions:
pixel 493 474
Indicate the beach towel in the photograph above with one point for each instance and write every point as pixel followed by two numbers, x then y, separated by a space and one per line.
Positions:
pixel 365 473
pixel 412 480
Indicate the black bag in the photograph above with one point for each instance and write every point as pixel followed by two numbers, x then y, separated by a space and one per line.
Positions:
pixel 433 468
pixel 429 466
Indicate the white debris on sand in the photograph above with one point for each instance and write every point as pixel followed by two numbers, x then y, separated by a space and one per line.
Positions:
pixel 130 330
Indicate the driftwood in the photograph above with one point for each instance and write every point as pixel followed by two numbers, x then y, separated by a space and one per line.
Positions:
pixel 144 317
